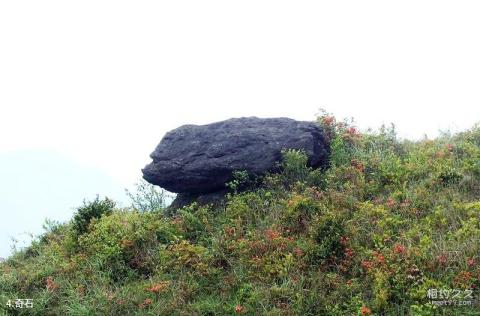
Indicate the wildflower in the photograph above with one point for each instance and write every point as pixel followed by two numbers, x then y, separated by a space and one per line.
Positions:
pixel 442 259
pixel 159 287
pixel 344 240
pixel 357 165
pixel 470 262
pixel 229 231
pixel 390 202
pixel 328 120
pixel 126 243
pixel 352 130
pixel 399 249
pixel 239 309
pixel 365 310
pixel 145 303
pixel 351 134
pixel 298 252
pixel 272 234
pixel 51 285
pixel 463 278
pixel 348 252
pixel 380 258
pixel 367 265
pixel 450 147
pixel 439 154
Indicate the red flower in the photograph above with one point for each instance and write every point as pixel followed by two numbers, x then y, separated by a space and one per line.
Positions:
pixel 272 234
pixel 351 133
pixel 470 262
pixel 51 285
pixel 348 252
pixel 328 120
pixel 399 249
pixel 390 202
pixel 159 287
pixel 239 309
pixel 463 278
pixel 352 130
pixel 380 258
pixel 365 310
pixel 367 265
pixel 229 231
pixel 145 303
pixel 442 259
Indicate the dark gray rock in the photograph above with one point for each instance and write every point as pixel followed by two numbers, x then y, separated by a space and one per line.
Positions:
pixel 201 158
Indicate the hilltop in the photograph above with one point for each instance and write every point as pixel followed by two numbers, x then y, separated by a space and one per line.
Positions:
pixel 386 229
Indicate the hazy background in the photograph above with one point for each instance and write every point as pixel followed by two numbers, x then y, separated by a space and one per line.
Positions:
pixel 87 89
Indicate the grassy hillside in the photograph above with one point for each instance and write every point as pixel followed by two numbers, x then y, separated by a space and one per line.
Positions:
pixel 389 224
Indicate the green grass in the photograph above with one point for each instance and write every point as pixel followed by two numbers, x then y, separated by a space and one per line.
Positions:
pixel 388 221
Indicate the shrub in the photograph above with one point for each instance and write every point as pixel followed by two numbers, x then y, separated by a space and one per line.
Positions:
pixel 123 244
pixel 241 180
pixel 295 170
pixel 298 213
pixel 326 233
pixel 388 222
pixel 89 211
pixel 147 197
pixel 294 166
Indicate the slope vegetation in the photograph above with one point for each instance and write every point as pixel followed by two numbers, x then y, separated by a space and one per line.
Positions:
pixel 389 228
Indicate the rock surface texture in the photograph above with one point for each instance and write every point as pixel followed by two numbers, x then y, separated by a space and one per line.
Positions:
pixel 199 159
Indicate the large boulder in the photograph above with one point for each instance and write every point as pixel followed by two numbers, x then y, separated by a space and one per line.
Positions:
pixel 201 158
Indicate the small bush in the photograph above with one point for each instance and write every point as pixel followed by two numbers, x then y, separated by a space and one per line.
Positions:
pixel 294 166
pixel 89 211
pixel 147 197
pixel 241 180
pixel 327 233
